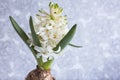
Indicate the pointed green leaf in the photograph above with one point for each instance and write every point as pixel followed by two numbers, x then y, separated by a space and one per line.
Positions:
pixel 34 36
pixel 22 34
pixel 47 65
pixel 73 45
pixel 19 30
pixel 66 39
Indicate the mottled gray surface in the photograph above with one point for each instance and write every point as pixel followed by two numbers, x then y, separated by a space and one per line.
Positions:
pixel 98 31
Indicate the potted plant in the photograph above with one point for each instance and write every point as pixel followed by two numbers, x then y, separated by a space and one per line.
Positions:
pixel 49 35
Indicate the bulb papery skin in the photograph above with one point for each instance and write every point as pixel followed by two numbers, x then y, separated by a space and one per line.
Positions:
pixel 50 28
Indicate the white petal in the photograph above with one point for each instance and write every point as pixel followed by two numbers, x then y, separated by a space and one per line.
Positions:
pixel 38 55
pixel 39 49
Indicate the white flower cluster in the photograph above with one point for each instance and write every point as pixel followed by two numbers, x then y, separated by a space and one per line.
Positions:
pixel 51 28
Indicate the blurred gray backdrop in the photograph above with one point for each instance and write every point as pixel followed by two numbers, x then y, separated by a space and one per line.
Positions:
pixel 98 32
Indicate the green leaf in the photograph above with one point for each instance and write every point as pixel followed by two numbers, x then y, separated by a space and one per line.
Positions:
pixel 34 36
pixel 73 45
pixel 66 39
pixel 47 65
pixel 22 34
pixel 19 30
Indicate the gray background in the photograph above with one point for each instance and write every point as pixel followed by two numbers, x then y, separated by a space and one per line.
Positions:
pixel 98 32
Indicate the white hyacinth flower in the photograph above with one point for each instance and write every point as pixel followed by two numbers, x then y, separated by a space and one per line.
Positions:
pixel 51 28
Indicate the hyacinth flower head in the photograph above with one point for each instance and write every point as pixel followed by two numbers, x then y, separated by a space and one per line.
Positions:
pixel 49 34
pixel 50 28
